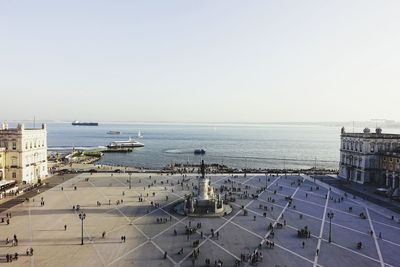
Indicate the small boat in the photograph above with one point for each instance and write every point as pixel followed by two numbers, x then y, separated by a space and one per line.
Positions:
pixel 114 132
pixel 139 135
pixel 199 152
pixel 125 144
pixel 79 123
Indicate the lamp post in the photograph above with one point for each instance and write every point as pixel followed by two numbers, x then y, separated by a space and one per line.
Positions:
pixel 82 217
pixel 330 216
pixel 284 165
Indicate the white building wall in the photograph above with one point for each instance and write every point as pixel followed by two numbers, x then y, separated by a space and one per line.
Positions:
pixel 34 159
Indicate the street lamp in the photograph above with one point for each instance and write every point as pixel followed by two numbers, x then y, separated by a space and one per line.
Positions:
pixel 284 165
pixel 82 216
pixel 330 216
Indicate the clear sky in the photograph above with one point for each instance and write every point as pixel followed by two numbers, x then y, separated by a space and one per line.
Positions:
pixel 200 61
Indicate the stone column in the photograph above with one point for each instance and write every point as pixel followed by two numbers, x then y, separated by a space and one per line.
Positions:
pixel 387 178
pixel 203 189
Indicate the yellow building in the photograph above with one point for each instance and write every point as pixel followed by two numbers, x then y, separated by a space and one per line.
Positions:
pixel 391 164
pixel 24 156
pixel 2 163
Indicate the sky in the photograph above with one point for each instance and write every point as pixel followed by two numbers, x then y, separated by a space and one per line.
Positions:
pixel 199 61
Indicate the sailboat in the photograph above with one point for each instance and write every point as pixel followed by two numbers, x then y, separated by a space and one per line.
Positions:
pixel 139 135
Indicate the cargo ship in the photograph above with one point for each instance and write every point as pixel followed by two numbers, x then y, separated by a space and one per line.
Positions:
pixel 79 123
pixel 114 132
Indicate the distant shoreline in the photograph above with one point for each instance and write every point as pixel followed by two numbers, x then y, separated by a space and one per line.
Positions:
pixel 356 124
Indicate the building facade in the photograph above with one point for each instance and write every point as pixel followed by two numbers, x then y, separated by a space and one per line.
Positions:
pixel 361 155
pixel 391 166
pixel 24 156
pixel 2 163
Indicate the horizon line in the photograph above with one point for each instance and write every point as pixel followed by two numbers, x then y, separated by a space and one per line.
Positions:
pixel 202 122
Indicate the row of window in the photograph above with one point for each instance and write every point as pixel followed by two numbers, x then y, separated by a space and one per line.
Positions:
pixel 34 144
pixel 392 168
pixel 354 175
pixel 391 160
pixel 374 147
pixel 14 174
pixel 352 145
pixel 6 145
pixel 28 145
pixel 37 157
pixel 354 161
pixel 358 161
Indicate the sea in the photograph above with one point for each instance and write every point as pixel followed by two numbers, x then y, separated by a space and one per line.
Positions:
pixel 235 145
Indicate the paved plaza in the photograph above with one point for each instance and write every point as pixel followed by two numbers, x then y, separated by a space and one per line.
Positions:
pixel 114 209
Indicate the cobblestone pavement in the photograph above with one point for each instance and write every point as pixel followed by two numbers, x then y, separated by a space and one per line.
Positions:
pixel 42 226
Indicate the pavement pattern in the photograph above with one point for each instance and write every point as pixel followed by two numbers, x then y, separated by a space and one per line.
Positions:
pixel 150 242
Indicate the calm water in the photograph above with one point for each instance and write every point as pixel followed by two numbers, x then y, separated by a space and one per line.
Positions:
pixel 258 146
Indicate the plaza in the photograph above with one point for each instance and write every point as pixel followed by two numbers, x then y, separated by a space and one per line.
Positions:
pixel 266 210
